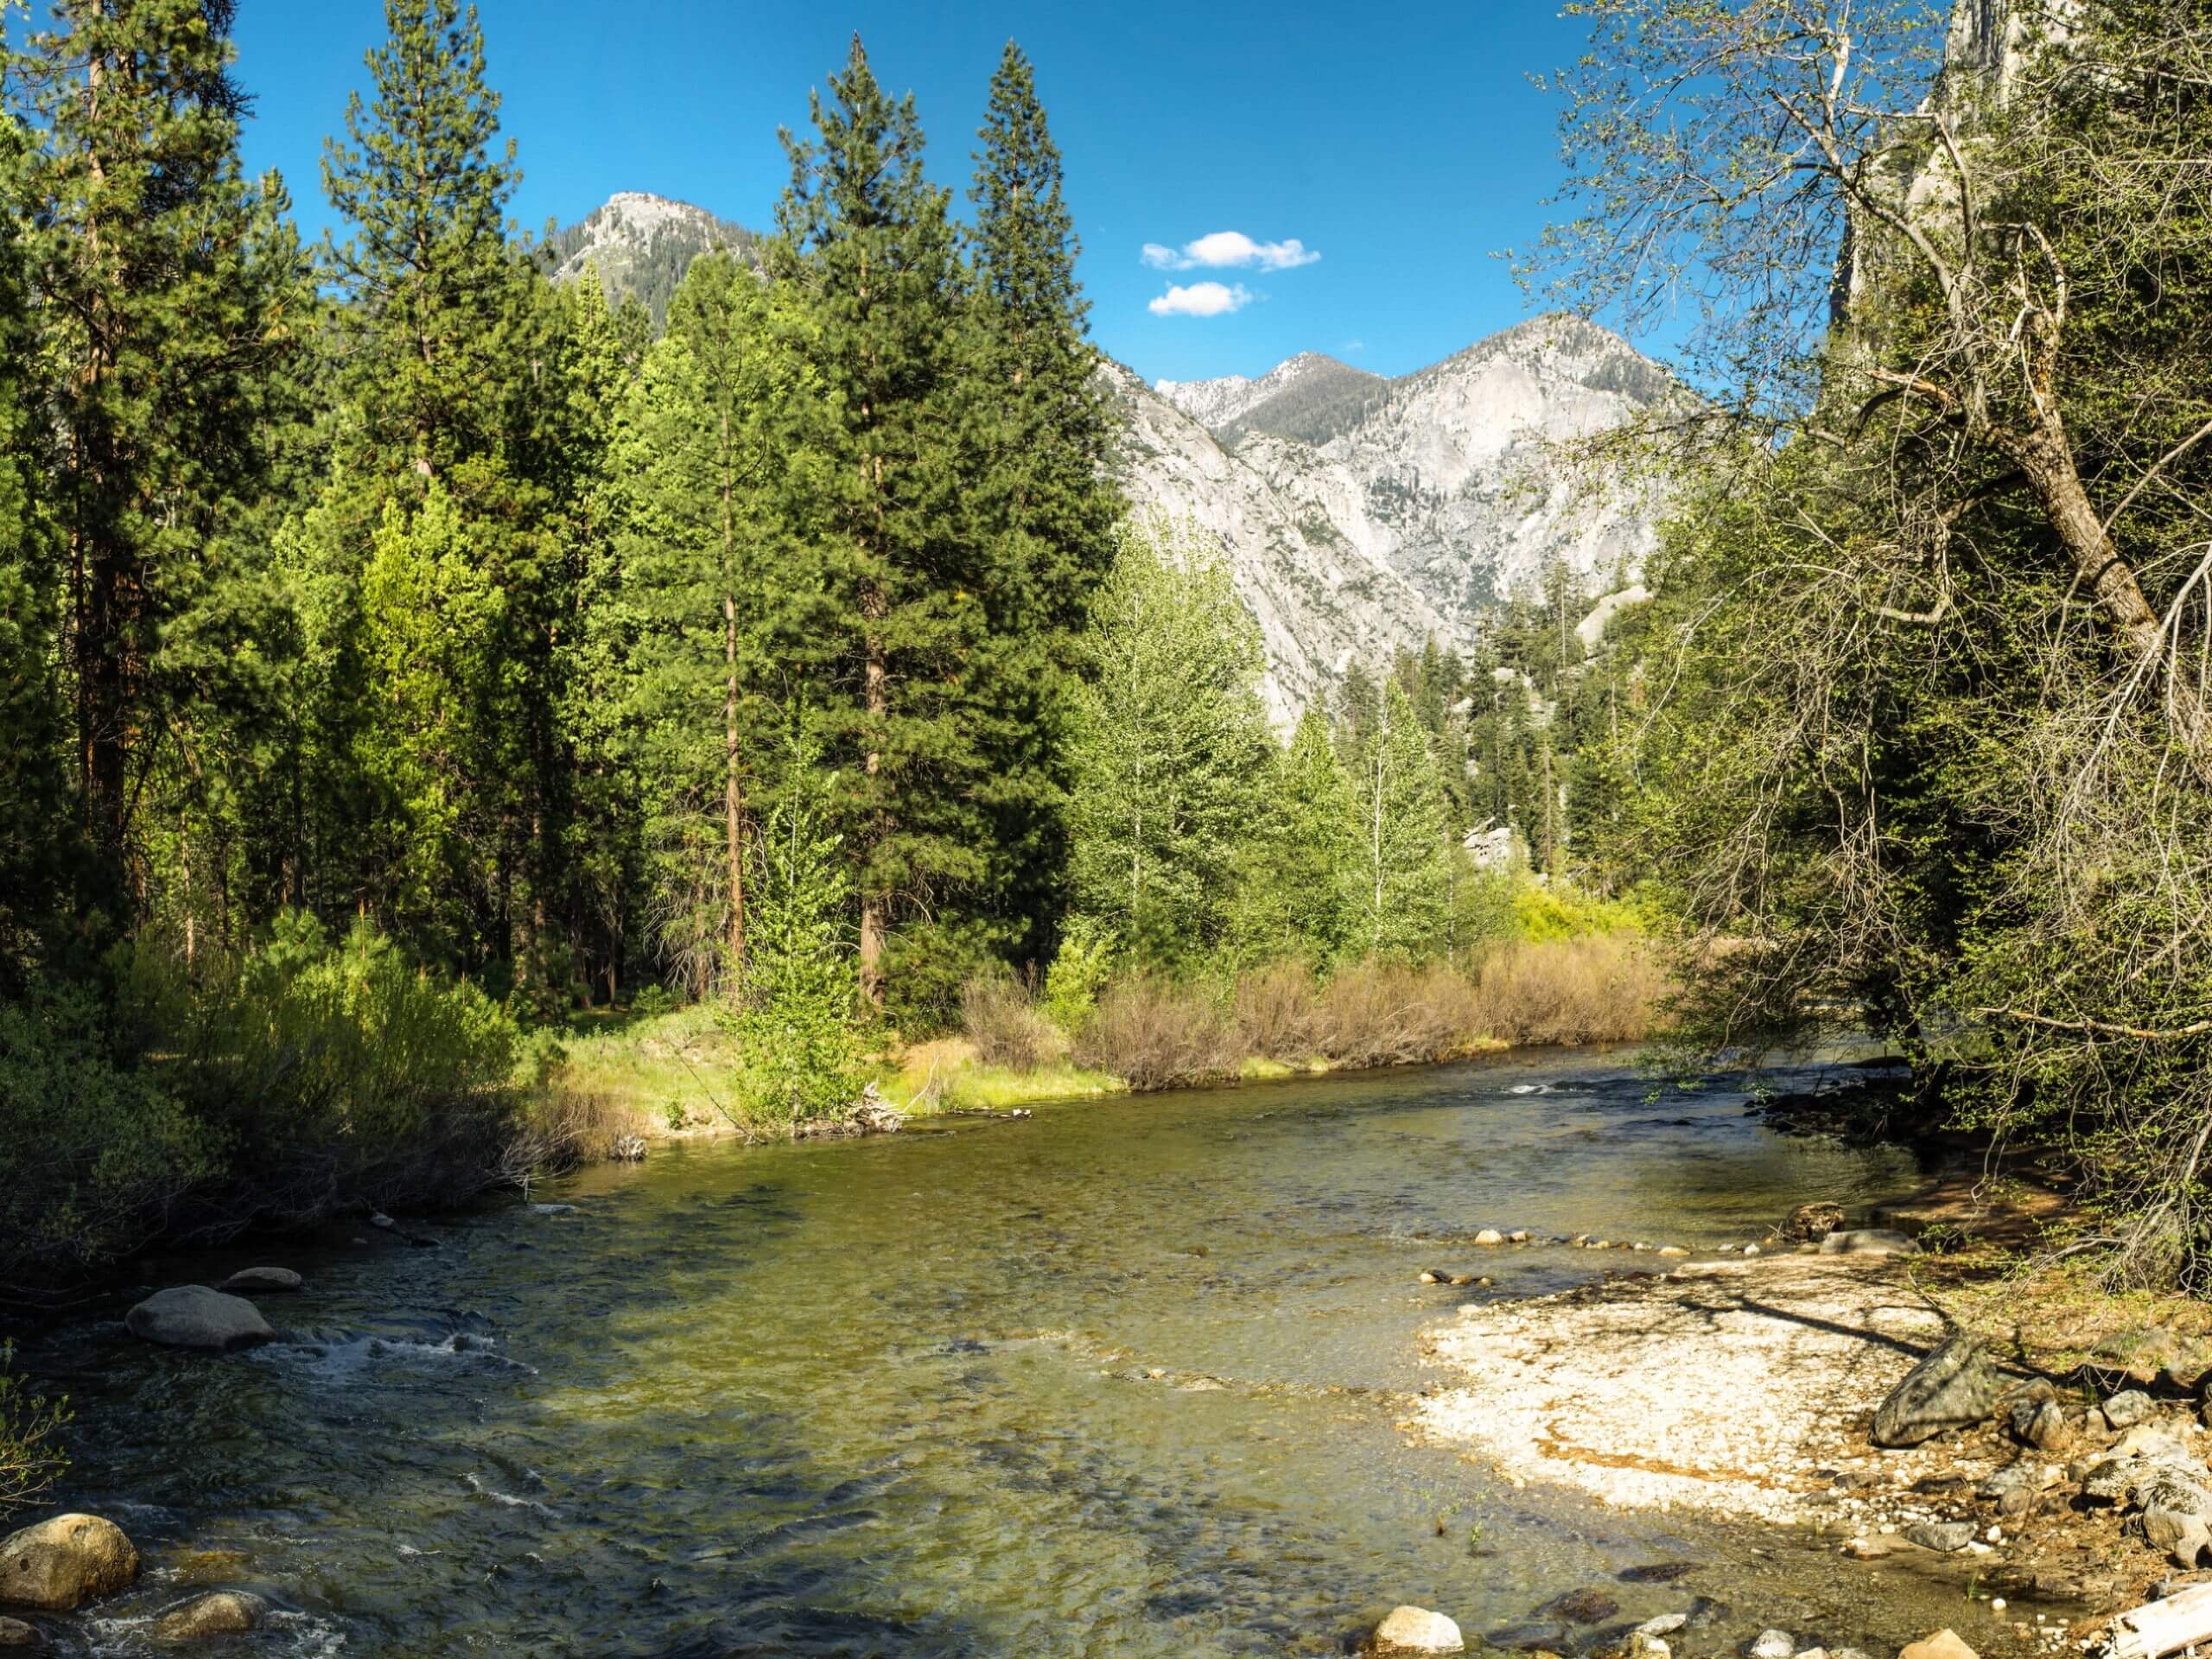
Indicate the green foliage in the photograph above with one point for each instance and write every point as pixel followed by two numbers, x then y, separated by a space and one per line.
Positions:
pixel 96 1157
pixel 794 1022
pixel 1171 749
pixel 1400 867
pixel 1079 970
pixel 31 1459
pixel 330 1070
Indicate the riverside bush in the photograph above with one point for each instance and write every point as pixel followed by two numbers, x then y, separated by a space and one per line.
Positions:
pixel 1007 1026
pixel 96 1157
pixel 1158 1034
pixel 31 1459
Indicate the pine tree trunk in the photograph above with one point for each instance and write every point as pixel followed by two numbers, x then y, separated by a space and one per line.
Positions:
pixel 733 796
pixel 875 686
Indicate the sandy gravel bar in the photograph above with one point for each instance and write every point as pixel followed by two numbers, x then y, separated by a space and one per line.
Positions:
pixel 1722 1385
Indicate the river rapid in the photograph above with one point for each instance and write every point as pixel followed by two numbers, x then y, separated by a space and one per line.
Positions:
pixel 1121 1378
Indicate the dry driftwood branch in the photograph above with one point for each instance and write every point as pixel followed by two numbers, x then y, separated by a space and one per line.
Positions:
pixel 2180 1621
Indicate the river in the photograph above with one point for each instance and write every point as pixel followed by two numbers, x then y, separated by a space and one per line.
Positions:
pixel 1121 1378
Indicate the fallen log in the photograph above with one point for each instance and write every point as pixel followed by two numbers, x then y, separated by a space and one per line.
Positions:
pixel 2157 1628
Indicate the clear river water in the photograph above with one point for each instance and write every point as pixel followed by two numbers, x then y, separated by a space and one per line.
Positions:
pixel 1121 1378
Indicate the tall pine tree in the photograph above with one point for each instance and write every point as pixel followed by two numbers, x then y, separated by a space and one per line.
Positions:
pixel 168 287
pixel 867 244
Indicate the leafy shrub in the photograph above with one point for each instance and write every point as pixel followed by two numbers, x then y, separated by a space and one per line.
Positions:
pixel 333 1075
pixel 1006 1027
pixel 1078 972
pixel 96 1157
pixel 652 1002
pixel 30 1458
pixel 1549 911
pixel 1159 1034
pixel 793 1024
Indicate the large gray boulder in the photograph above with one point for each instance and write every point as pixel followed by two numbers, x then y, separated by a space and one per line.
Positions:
pixel 65 1561
pixel 193 1316
pixel 1955 1387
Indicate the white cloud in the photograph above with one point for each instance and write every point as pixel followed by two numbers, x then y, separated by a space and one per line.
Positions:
pixel 1200 300
pixel 1229 249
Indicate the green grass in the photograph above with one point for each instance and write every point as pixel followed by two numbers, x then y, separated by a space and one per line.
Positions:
pixel 675 1070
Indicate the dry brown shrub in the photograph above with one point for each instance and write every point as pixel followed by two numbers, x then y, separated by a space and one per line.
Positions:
pixel 1389 1014
pixel 1157 1034
pixel 1278 1011
pixel 1602 988
pixel 563 1128
pixel 1007 1026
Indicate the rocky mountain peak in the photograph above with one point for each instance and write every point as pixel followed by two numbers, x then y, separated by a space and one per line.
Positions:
pixel 641 244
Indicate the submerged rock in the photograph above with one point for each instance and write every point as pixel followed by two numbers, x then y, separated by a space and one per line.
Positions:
pixel 1415 1629
pixel 1490 1236
pixel 220 1612
pixel 1955 1387
pixel 14 1633
pixel 65 1561
pixel 267 1281
pixel 1813 1221
pixel 193 1316
pixel 1581 1607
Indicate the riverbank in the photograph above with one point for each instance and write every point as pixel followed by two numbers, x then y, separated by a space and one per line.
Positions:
pixel 673 1074
pixel 1754 1389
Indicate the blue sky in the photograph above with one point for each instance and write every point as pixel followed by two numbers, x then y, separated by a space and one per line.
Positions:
pixel 1401 143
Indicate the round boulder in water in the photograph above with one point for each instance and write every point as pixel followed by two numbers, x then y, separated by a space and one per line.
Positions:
pixel 263 1281
pixel 220 1612
pixel 65 1561
pixel 1415 1629
pixel 193 1316
pixel 1811 1223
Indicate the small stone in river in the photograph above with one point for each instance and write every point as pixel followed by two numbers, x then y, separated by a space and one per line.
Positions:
pixel 268 1281
pixel 1945 1537
pixel 1431 1276
pixel 1657 1573
pixel 1582 1607
pixel 1773 1644
pixel 1665 1624
pixel 1644 1645
pixel 1464 1279
pixel 380 1219
pixel 220 1612
pixel 1944 1644
pixel 1750 1250
pixel 14 1633
pixel 1672 1249
pixel 1869 1240
pixel 1869 1549
pixel 1415 1629
pixel 65 1561
pixel 1519 1236
pixel 1490 1236
pixel 2125 1410
pixel 1813 1221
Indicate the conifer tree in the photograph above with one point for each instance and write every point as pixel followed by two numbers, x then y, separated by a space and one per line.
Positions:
pixel 867 244
pixel 1293 895
pixel 710 589
pixel 169 290
pixel 1040 430
pixel 35 811
pixel 1401 873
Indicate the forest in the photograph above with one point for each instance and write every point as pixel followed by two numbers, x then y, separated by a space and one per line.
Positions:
pixel 407 657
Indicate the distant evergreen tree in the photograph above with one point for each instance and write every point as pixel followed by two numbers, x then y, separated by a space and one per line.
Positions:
pixel 1294 893
pixel 1040 430
pixel 867 244
pixel 1173 752
pixel 168 289
pixel 1401 871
